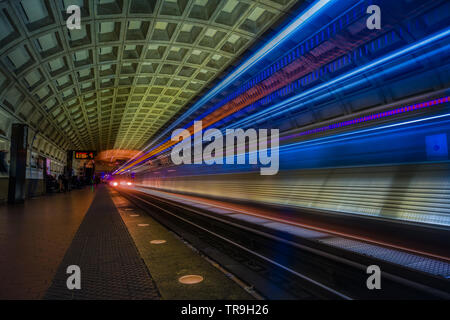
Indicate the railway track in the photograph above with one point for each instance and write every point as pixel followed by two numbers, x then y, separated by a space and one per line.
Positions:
pixel 278 265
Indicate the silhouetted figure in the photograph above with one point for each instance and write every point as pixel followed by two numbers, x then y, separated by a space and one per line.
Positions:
pixel 66 183
pixel 3 165
pixel 52 184
pixel 60 183
pixel 96 181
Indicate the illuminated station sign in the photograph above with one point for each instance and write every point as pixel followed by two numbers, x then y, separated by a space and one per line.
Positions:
pixel 84 155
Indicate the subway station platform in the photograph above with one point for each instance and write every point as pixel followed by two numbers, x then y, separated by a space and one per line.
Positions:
pixel 111 243
pixel 224 149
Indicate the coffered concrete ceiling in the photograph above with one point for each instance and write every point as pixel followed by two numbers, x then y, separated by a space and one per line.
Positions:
pixel 130 68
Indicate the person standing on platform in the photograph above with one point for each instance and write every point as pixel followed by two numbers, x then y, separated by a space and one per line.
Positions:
pixel 60 183
pixel 96 181
pixel 3 165
pixel 66 183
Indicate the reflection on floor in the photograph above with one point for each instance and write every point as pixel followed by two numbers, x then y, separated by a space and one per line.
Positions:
pixel 34 238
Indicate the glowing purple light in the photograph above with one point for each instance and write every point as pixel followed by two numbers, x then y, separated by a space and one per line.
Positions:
pixel 373 116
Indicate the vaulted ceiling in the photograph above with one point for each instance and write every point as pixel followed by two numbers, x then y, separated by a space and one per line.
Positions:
pixel 130 68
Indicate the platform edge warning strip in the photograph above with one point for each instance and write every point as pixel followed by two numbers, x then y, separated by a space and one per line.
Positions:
pixel 110 264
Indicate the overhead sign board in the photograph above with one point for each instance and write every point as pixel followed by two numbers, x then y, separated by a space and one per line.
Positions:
pixel 84 155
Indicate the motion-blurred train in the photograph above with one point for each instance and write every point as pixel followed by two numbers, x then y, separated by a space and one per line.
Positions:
pixel 366 133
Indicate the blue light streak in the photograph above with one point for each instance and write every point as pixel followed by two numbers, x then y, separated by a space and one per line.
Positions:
pixel 281 37
pixel 284 107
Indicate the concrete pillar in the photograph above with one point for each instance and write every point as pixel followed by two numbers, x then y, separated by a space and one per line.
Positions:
pixel 18 163
pixel 69 167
